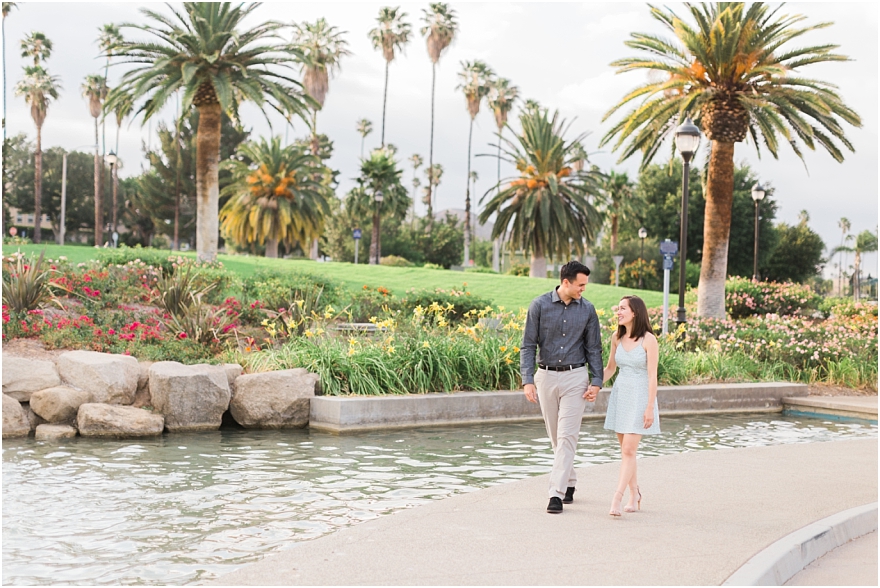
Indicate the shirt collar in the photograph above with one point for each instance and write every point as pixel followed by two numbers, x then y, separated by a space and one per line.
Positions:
pixel 554 296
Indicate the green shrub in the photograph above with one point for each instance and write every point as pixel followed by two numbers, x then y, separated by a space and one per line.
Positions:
pixel 433 266
pixel 281 291
pixel 745 297
pixel 461 301
pixel 26 284
pixel 518 269
pixel 480 270
pixel 122 255
pixel 845 307
pixel 395 261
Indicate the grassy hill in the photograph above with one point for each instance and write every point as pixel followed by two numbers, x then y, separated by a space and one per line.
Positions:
pixel 509 291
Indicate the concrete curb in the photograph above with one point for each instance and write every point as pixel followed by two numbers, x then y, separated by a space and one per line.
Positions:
pixel 776 564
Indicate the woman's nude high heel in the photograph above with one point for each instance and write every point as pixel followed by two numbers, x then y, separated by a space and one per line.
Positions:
pixel 638 506
pixel 615 512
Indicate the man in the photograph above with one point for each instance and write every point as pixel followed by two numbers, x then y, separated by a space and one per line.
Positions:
pixel 565 328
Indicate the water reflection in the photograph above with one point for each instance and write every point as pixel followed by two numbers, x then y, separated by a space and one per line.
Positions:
pixel 186 508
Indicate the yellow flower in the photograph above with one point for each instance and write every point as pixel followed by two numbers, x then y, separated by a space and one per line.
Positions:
pixel 390 349
pixel 503 348
pixel 442 322
pixel 600 312
pixel 300 303
pixel 308 333
pixel 426 345
pixel 516 349
pixel 328 314
pixel 352 341
pixel 508 361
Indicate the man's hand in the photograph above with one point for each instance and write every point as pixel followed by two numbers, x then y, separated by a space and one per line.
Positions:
pixel 531 393
pixel 590 394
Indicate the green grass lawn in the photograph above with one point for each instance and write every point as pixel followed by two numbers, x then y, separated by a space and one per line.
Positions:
pixel 512 292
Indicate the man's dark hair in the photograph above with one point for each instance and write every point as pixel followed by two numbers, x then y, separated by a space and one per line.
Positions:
pixel 571 269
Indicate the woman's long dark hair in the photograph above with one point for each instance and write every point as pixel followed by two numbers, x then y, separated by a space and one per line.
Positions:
pixel 641 324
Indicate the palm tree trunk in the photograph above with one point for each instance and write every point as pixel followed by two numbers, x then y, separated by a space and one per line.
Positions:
pixel 313 249
pixel 384 102
pixel 614 228
pixel 496 248
pixel 207 181
pixel 467 202
pixel 362 145
pixel 99 205
pixel 857 286
pixel 271 247
pixel 4 79
pixel 538 267
pixel 716 231
pixel 431 154
pixel 38 185
pixel 374 238
pixel 176 242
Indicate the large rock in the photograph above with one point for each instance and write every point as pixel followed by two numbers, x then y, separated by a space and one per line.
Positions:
pixel 232 371
pixel 52 432
pixel 22 376
pixel 59 404
pixel 15 423
pixel 273 400
pixel 111 379
pixel 142 396
pixel 33 418
pixel 112 420
pixel 192 398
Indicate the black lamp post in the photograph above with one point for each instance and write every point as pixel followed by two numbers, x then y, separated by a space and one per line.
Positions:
pixel 643 232
pixel 758 192
pixel 378 197
pixel 687 139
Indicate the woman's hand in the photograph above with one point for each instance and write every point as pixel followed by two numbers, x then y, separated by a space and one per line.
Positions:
pixel 649 417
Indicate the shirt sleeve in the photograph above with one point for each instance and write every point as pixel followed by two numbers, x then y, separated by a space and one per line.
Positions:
pixel 593 347
pixel 529 348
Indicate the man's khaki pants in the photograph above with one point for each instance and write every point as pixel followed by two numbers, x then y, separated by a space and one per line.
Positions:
pixel 561 396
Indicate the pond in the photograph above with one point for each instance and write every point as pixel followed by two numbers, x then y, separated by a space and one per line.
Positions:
pixel 182 509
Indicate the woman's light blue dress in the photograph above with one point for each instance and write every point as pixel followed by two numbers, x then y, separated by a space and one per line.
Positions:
pixel 629 396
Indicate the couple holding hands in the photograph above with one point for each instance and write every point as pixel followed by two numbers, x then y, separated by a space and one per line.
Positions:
pixel 562 338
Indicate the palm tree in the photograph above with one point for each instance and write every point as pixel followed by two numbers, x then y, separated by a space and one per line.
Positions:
pixel 274 198
pixel 476 82
pixel 501 101
pixel 391 35
pixel 845 226
pixel 736 76
pixel 364 128
pixel 123 109
pixel 379 173
pixel 206 52
pixel 416 161
pixel 319 48
pixel 433 174
pixel 38 89
pixel 439 30
pixel 7 8
pixel 618 192
pixel 36 46
pixel 95 89
pixel 108 37
pixel 547 202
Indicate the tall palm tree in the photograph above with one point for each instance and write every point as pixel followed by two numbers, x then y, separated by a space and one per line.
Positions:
pixel 123 109
pixel 433 174
pixel 736 75
pixel 619 196
pixel 38 89
pixel 95 89
pixel 439 30
pixel 845 226
pixel 391 35
pixel 379 172
pixel 36 46
pixel 275 197
pixel 476 82
pixel 206 52
pixel 547 202
pixel 364 128
pixel 319 47
pixel 416 161
pixel 7 8
pixel 108 37
pixel 501 100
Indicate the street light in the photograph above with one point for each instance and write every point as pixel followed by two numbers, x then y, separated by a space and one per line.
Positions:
pixel 687 139
pixel 758 193
pixel 378 197
pixel 643 232
pixel 61 228
pixel 113 160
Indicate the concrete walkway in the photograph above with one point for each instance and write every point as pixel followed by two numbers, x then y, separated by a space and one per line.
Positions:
pixel 705 513
pixel 853 564
pixel 859 407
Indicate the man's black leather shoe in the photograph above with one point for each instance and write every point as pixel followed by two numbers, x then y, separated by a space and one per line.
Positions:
pixel 569 495
pixel 555 506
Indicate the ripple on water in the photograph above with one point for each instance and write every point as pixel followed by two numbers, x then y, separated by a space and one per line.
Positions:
pixel 187 508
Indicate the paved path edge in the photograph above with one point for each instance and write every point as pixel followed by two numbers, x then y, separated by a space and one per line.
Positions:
pixel 780 561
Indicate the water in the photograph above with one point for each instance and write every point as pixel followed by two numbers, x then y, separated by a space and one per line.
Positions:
pixel 186 508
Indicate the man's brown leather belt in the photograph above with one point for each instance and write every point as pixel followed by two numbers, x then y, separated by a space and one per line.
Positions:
pixel 561 368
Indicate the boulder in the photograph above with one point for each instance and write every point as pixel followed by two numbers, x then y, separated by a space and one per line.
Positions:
pixel 112 420
pixel 142 396
pixel 111 379
pixel 15 423
pixel 59 404
pixel 273 400
pixel 232 371
pixel 33 418
pixel 52 432
pixel 192 398
pixel 22 376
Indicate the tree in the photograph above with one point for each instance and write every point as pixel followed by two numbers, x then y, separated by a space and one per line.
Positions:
pixel 434 175
pixel 502 96
pixel 865 241
pixel 379 173
pixel 736 76
pixel 38 89
pixel 275 198
pixel 620 198
pixel 439 30
pixel 391 35
pixel 37 46
pixel 548 202
pixel 206 53
pixel 797 256
pixel 845 226
pixel 416 161
pixel 7 8
pixel 95 89
pixel 476 81
pixel 364 128
pixel 108 37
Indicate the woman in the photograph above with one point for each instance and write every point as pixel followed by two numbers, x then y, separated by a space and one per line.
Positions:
pixel 632 407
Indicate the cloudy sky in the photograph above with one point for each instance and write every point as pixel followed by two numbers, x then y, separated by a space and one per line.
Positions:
pixel 557 53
